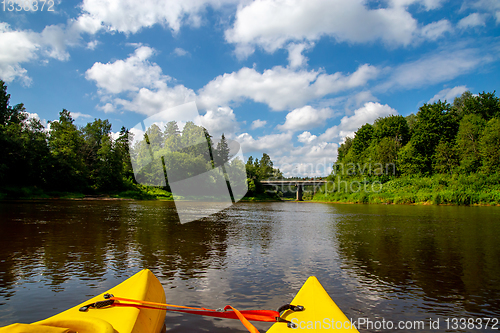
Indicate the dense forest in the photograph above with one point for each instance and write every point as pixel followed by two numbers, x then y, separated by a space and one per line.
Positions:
pixel 63 158
pixel 258 170
pixel 445 154
pixel 66 160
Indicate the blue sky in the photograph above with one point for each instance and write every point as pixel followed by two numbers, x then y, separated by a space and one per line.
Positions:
pixel 289 78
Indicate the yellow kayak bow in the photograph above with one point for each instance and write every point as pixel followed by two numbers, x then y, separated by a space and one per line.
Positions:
pixel 312 310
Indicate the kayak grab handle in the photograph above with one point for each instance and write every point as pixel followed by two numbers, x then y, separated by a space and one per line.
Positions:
pixel 284 308
pixel 294 308
pixel 97 305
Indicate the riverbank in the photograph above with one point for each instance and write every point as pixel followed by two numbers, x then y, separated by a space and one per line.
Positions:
pixel 262 197
pixel 474 189
pixel 137 192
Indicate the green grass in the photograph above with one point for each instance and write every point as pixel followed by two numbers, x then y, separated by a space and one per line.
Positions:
pixel 262 197
pixel 134 191
pixel 475 189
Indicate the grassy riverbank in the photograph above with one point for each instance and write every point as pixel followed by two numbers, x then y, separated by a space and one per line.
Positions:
pixel 260 197
pixel 135 191
pixel 476 189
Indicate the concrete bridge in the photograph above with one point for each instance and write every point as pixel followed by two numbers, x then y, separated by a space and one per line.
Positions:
pixel 297 182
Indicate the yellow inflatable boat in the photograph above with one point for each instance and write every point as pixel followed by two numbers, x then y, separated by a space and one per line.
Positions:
pixel 318 313
pixel 141 286
pixel 144 309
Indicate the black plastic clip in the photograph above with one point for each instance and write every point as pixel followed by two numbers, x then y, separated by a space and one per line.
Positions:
pixel 294 308
pixel 96 305
pixel 284 308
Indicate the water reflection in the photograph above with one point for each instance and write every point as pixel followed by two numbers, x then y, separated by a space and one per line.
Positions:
pixel 85 240
pixel 395 262
pixel 450 254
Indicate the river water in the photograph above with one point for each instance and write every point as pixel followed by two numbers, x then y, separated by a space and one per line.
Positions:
pixel 378 262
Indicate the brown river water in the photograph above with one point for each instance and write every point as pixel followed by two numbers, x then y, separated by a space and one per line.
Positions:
pixel 378 262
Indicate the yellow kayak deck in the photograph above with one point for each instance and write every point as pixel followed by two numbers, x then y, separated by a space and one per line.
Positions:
pixel 141 286
pixel 320 312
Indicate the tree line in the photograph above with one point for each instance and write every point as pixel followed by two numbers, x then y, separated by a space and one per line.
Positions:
pixel 258 170
pixel 442 138
pixel 191 157
pixel 445 154
pixel 67 158
pixel 62 157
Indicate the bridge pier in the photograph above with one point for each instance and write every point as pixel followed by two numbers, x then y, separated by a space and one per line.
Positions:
pixel 300 190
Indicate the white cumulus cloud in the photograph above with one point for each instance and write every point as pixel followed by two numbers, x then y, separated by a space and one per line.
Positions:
pixel 146 85
pixel 295 56
pixel 129 16
pixel 258 123
pixel 151 101
pixel 472 20
pixel 76 115
pixel 272 24
pixel 17 47
pixel 448 94
pixel 434 30
pixel 350 124
pixel 219 121
pixel 428 4
pixel 272 144
pixel 280 88
pixel 180 52
pixel 305 118
pixel 22 46
pixel 127 75
pixel 306 137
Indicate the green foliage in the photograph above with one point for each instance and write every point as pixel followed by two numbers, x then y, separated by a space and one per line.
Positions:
pixel 222 151
pixel 386 153
pixel 171 129
pixel 476 189
pixel 265 167
pixel 362 139
pixel 66 147
pixel 62 161
pixel 485 105
pixel 446 158
pixel 104 170
pixel 172 136
pixel 258 170
pixel 434 123
pixel 344 149
pixel 410 160
pixel 251 185
pixel 458 109
pixel 23 146
pixel 236 174
pixel 411 119
pixel 444 154
pixel 394 127
pixel 490 147
pixel 467 142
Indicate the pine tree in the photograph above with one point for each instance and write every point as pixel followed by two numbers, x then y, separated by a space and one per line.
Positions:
pixel 222 150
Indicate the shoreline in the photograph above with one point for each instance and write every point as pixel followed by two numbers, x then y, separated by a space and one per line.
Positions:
pixel 108 198
pixel 424 203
